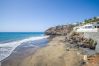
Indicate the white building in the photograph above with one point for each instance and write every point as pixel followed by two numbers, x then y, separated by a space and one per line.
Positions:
pixel 90 27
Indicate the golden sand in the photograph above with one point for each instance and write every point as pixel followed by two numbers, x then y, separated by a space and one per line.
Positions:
pixel 54 54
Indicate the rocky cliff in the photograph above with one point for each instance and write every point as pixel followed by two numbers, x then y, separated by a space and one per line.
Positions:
pixel 72 37
pixel 79 40
pixel 59 30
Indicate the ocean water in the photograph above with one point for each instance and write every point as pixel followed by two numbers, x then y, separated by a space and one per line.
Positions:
pixel 13 36
pixel 10 40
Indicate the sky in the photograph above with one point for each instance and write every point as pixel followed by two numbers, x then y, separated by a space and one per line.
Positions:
pixel 39 15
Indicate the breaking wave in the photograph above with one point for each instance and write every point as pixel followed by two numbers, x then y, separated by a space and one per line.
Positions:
pixel 7 48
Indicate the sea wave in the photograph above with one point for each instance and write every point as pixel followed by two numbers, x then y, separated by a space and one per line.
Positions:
pixel 7 48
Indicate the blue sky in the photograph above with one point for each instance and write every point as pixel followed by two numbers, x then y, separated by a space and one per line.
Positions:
pixel 38 15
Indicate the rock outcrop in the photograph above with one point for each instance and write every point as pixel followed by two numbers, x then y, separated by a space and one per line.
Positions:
pixel 72 37
pixel 79 40
pixel 59 30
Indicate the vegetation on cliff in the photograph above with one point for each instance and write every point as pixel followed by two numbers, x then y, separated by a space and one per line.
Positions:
pixel 94 19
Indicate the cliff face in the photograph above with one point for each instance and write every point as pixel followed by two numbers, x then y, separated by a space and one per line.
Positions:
pixel 72 37
pixel 79 40
pixel 59 30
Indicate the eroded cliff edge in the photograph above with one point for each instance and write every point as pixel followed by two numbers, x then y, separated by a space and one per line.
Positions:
pixel 71 36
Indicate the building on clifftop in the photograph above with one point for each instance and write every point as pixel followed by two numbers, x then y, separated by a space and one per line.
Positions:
pixel 90 27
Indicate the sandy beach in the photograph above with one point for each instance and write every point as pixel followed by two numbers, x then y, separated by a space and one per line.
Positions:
pixel 24 50
pixel 56 53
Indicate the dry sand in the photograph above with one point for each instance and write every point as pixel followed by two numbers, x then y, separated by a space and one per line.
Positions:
pixel 54 54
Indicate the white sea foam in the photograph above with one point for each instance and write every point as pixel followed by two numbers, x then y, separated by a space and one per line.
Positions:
pixel 7 48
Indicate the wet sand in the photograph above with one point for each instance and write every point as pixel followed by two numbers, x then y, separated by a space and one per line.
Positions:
pixel 17 56
pixel 24 50
pixel 56 53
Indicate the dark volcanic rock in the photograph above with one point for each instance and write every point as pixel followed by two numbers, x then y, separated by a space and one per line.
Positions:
pixel 59 30
pixel 79 40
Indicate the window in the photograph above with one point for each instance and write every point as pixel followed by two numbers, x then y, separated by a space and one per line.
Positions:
pixel 97 26
pixel 88 27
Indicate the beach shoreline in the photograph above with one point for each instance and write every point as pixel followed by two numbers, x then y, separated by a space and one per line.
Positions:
pixel 55 53
pixel 6 49
pixel 24 50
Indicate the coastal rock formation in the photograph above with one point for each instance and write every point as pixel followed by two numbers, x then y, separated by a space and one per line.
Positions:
pixel 59 30
pixel 80 41
pixel 72 37
pixel 93 60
